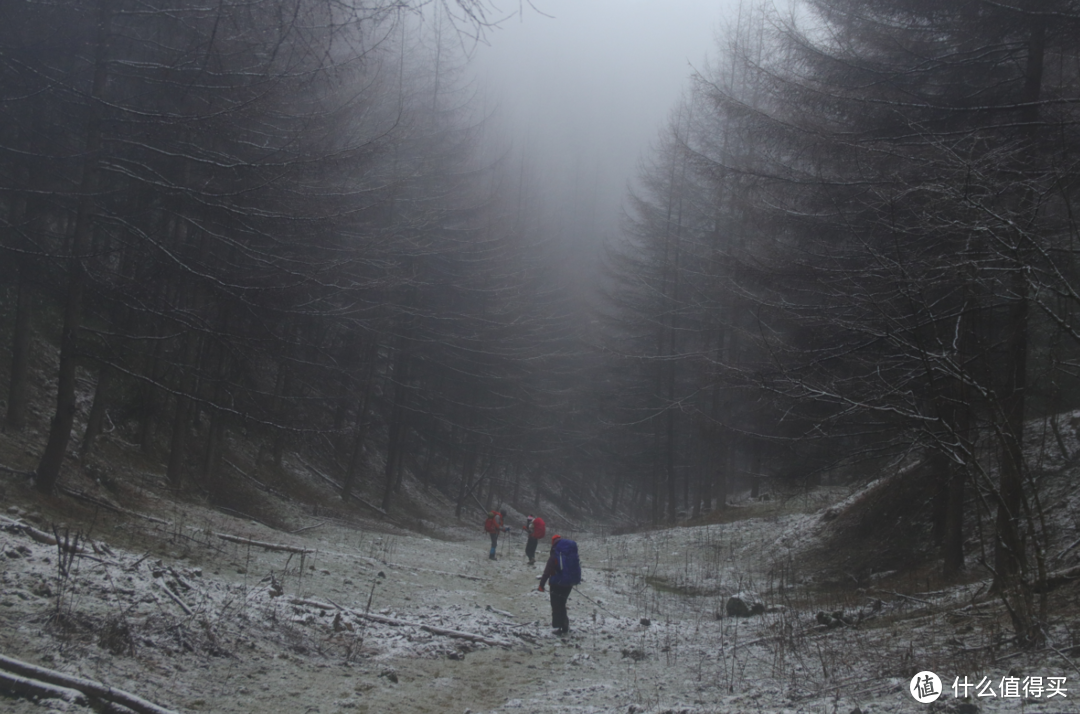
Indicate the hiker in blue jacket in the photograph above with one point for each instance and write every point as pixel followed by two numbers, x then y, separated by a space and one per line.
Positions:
pixel 562 572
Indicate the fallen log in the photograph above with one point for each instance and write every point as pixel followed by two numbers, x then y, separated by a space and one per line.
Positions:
pixel 92 689
pixel 908 597
pixel 16 472
pixel 263 544
pixel 35 534
pixel 432 629
pixel 437 572
pixel 174 597
pixel 102 503
pixel 1058 578
pixel 92 500
pixel 33 688
pixel 316 604
pixel 308 528
pixel 457 634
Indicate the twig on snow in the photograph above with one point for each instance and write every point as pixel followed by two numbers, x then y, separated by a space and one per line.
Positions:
pixel 908 597
pixel 262 544
pixel 174 597
pixel 405 623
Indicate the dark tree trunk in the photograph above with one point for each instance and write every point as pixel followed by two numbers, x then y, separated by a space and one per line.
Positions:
pixel 18 385
pixel 95 423
pixel 468 467
pixel 941 468
pixel 403 446
pixel 48 470
pixel 47 473
pixel 755 476
pixel 282 389
pixel 1010 557
pixel 669 451
pixel 174 472
pixel 953 545
pixel 722 466
pixel 396 430
pixel 151 400
pixel 181 424
pixel 215 438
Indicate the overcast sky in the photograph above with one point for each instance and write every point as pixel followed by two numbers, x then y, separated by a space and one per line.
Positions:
pixel 587 90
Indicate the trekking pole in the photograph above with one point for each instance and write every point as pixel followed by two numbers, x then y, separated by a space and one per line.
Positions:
pixel 595 602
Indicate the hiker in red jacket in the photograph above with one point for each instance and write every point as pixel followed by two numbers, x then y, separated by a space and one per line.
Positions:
pixel 534 526
pixel 492 526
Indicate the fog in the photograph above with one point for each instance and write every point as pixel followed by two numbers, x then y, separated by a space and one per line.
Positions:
pixel 580 89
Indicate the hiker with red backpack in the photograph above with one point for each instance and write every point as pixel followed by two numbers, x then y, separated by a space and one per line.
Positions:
pixel 562 572
pixel 536 529
pixel 492 526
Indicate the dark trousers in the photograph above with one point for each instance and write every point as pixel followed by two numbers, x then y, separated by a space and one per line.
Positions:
pixel 559 595
pixel 530 548
pixel 494 543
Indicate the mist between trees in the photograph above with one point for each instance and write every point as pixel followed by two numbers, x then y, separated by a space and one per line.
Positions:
pixel 276 221
pixel 854 249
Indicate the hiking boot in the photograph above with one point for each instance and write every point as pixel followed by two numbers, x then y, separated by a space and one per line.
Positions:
pixel 532 562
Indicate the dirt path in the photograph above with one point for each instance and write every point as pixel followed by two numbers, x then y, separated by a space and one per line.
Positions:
pixel 276 632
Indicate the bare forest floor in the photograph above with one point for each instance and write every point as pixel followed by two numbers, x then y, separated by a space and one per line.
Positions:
pixel 159 604
pixel 169 596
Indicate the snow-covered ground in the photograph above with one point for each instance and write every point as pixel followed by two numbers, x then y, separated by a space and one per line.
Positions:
pixel 196 623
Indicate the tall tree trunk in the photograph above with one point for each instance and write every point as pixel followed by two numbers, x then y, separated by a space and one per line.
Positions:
pixel 755 468
pixel 95 423
pixel 953 544
pixel 151 399
pixel 212 454
pixel 1010 557
pixel 468 467
pixel 52 458
pixel 174 472
pixel 396 428
pixel 940 466
pixel 282 389
pixel 18 385
pixel 404 444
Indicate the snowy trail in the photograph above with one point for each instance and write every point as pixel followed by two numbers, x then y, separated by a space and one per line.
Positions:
pixel 253 632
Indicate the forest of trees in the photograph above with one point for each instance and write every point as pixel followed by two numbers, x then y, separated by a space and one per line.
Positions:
pixel 274 220
pixel 283 221
pixel 856 244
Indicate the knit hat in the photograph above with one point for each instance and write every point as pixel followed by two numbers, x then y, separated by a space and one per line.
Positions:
pixel 555 537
